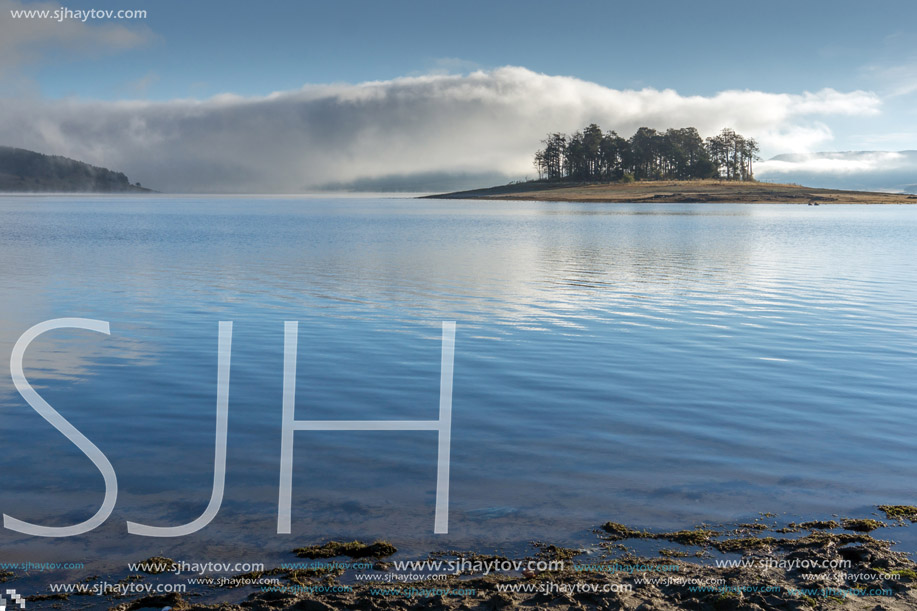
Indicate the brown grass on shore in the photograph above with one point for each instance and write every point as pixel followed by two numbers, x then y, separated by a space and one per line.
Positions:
pixel 682 191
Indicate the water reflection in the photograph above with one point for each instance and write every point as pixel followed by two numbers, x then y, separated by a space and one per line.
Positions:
pixel 655 364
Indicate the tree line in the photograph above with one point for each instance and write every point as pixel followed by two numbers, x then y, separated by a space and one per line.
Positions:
pixel 590 154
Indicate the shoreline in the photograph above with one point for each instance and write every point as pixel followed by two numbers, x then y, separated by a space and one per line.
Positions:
pixel 678 192
pixel 763 564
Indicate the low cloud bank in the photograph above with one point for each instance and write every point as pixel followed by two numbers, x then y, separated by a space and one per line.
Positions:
pixel 864 170
pixel 481 124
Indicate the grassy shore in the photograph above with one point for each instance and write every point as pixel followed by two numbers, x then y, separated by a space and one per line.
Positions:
pixel 680 191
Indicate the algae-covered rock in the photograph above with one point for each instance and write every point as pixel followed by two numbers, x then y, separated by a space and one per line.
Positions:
pixel 156 565
pixel 820 525
pixel 899 512
pixel 620 531
pixel 352 549
pixel 864 525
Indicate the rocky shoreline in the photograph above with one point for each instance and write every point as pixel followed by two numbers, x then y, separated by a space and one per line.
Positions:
pixel 764 564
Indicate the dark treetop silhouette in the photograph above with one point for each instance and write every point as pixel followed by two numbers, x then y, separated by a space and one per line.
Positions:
pixel 590 154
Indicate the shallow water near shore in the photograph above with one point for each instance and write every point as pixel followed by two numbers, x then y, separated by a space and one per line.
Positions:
pixel 655 365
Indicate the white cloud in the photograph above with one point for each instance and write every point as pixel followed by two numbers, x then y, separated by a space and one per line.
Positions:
pixel 835 163
pixel 450 65
pixel 897 80
pixel 797 138
pixel 25 40
pixel 829 101
pixel 484 121
pixel 141 85
pixel 873 170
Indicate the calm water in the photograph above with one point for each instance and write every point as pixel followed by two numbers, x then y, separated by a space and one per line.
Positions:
pixel 657 365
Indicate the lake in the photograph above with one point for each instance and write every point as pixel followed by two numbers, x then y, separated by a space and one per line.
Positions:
pixel 655 365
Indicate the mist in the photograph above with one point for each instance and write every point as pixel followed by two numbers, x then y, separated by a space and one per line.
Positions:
pixel 485 125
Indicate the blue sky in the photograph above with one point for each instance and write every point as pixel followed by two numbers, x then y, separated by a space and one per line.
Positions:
pixel 197 50
pixel 253 48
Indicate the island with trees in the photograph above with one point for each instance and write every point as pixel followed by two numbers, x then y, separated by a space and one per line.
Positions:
pixel 674 166
pixel 676 154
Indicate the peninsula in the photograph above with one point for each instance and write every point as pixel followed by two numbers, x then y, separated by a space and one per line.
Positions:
pixel 23 171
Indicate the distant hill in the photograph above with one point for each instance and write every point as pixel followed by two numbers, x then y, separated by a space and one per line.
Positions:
pixel 28 171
